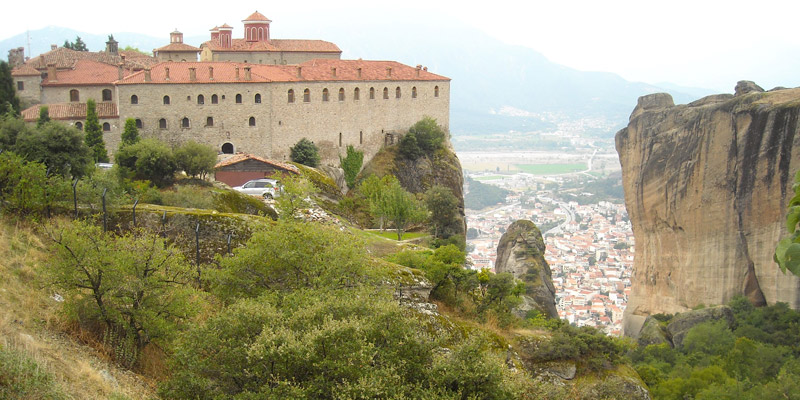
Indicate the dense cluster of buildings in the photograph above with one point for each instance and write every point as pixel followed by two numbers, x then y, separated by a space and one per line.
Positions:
pixel 253 94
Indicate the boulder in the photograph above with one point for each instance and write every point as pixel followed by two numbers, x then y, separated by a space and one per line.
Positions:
pixel 652 333
pixel 745 87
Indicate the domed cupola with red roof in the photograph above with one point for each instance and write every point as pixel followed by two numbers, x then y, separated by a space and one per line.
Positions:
pixel 256 28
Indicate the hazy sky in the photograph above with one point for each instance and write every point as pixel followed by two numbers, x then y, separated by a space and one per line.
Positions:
pixel 709 44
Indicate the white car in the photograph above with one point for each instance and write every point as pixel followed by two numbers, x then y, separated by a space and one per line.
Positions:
pixel 266 188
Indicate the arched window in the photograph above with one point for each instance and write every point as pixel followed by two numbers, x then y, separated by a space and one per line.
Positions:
pixel 201 99
pixel 258 98
pixel 397 93
pixel 162 123
pixel 227 148
pixel 106 94
pixel 385 93
pixel 306 96
pixel 238 98
pixel 325 94
pixel 106 127
pixel 134 99
pixel 74 95
pixel 341 94
pixel 372 93
pixel 139 124
pixel 252 121
pixel 185 122
pixel 79 125
pixel 209 121
pixel 340 139
pixel 290 94
pixel 214 99
pixel 166 99
pixel 356 94
pixel 436 91
pixel 414 92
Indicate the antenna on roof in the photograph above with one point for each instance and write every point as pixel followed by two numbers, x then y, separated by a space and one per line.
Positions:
pixel 28 33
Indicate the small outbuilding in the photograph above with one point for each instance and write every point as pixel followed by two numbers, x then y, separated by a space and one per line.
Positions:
pixel 240 168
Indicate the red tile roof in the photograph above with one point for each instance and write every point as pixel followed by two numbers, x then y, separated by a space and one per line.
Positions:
pixel 65 58
pixel 257 16
pixel 86 72
pixel 314 70
pixel 288 45
pixel 239 157
pixel 70 111
pixel 178 47
pixel 25 70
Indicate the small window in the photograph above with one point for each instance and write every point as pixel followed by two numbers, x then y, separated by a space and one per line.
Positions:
pixel 361 137
pixel 106 127
pixel 397 93
pixel 372 93
pixel 325 94
pixel 290 94
pixel 436 91
pixel 227 148
pixel 201 99
pixel 209 121
pixel 214 99
pixel 306 96
pixel 385 93
pixel 79 125
pixel 166 99
pixel 162 123
pixel 341 94
pixel 106 94
pixel 340 139
pixel 134 99
pixel 74 95
pixel 238 99
pixel 258 98
pixel 185 122
pixel 20 85
pixel 139 124
pixel 414 92
pixel 252 121
pixel 356 94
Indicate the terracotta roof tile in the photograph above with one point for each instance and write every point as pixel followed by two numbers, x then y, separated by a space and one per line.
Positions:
pixel 70 111
pixel 239 157
pixel 86 72
pixel 25 70
pixel 257 16
pixel 65 58
pixel 288 45
pixel 314 70
pixel 178 47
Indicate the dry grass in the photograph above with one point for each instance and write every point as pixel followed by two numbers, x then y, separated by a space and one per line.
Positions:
pixel 30 321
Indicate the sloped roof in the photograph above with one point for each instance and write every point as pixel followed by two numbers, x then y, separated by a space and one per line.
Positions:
pixel 86 72
pixel 25 70
pixel 287 45
pixel 257 16
pixel 70 111
pixel 65 58
pixel 240 157
pixel 178 47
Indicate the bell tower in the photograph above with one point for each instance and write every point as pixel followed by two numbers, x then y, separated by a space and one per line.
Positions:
pixel 256 28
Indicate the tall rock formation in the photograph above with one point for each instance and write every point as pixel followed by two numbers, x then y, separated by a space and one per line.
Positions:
pixel 706 187
pixel 521 252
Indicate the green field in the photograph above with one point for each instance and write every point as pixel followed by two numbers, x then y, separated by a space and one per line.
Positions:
pixel 550 169
pixel 391 234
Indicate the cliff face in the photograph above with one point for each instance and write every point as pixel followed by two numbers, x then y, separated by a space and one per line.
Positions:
pixel 521 252
pixel 706 187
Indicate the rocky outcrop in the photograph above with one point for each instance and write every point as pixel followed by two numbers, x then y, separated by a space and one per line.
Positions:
pixel 521 252
pixel 652 333
pixel 706 187
pixel 683 322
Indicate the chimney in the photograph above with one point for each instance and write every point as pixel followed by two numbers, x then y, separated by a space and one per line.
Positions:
pixel 247 75
pixel 419 68
pixel 53 47
pixel 424 68
pixel 333 72
pixel 166 73
pixel 211 73
pixel 120 72
pixel 147 74
pixel 122 56
pixel 299 72
pixel 358 71
pixel 192 74
pixel 388 72
pixel 237 72
pixel 52 73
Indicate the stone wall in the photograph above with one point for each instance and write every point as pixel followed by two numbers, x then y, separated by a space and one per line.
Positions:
pixel 60 94
pixel 267 57
pixel 32 90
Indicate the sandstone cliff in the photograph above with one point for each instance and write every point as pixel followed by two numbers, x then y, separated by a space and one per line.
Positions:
pixel 521 252
pixel 706 185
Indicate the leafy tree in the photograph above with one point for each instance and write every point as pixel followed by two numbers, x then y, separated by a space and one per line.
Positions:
pixel 305 152
pixel 375 189
pixel 429 135
pixel 59 147
pixel 12 127
pixel 482 195
pixel 443 206
pixel 77 45
pixel 787 253
pixel 94 134
pixel 294 196
pixel 8 93
pixel 402 208
pixel 408 146
pixel 351 164
pixel 149 159
pixel 195 159
pixel 130 135
pixel 129 48
pixel 44 116
pixel 25 187
pixel 134 284
pixel 472 233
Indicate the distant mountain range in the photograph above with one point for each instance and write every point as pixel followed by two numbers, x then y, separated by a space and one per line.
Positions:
pixel 496 87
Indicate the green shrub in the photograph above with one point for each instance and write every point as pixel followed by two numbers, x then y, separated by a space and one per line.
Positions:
pixel 305 152
pixel 149 159
pixel 196 159
pixel 22 378
pixel 351 164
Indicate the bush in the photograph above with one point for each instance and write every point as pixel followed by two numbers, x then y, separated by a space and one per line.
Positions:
pixel 429 135
pixel 25 190
pixel 22 378
pixel 196 159
pixel 57 147
pixel 150 160
pixel 408 146
pixel 351 164
pixel 305 152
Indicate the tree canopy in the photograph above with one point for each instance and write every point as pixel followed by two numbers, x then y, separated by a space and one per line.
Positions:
pixel 305 152
pixel 94 134
pixel 8 92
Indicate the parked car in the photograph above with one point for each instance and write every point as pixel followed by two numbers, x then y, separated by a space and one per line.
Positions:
pixel 266 188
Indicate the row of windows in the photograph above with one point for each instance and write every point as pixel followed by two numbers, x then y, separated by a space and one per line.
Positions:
pixel 185 123
pixel 202 99
pixel 106 126
pixel 357 94
pixel 75 95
